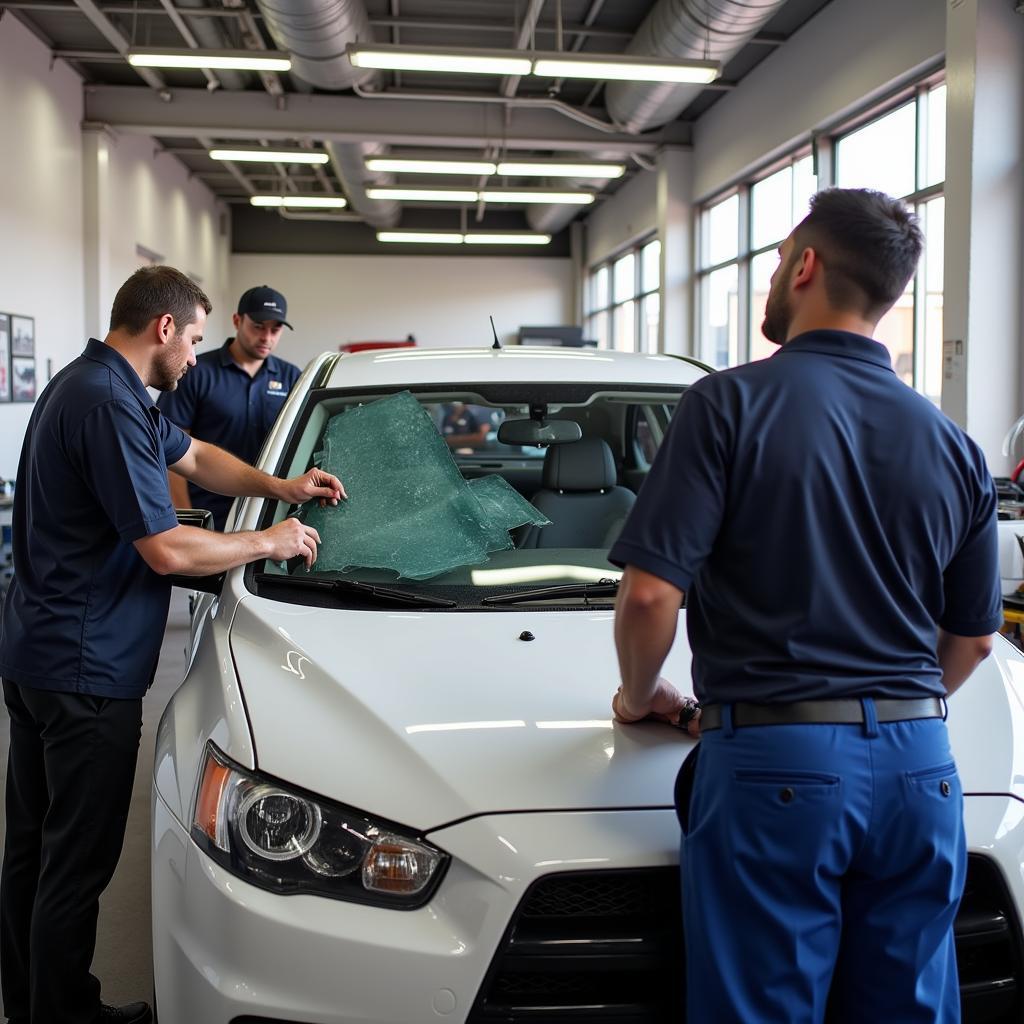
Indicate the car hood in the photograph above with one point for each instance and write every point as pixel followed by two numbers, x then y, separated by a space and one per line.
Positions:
pixel 426 718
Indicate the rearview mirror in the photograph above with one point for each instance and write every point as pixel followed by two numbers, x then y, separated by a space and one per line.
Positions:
pixel 203 520
pixel 539 432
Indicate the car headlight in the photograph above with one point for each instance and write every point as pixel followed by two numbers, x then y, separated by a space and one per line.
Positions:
pixel 287 841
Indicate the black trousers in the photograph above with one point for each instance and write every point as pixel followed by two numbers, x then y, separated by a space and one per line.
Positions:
pixel 69 784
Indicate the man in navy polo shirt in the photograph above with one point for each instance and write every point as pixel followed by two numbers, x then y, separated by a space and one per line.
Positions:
pixel 835 536
pixel 234 394
pixel 94 533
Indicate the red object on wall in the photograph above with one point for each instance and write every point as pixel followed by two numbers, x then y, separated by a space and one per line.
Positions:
pixel 369 346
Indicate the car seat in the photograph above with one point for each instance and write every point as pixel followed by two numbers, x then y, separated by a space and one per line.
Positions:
pixel 580 497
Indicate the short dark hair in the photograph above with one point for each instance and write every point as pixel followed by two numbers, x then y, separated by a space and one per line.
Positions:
pixel 153 291
pixel 868 243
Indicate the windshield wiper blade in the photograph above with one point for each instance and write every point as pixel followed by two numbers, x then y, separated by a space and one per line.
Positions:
pixel 386 595
pixel 603 588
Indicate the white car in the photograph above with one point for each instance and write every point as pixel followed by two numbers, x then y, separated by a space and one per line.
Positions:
pixel 387 800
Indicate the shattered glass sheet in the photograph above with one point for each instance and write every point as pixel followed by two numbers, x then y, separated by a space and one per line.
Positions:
pixel 409 509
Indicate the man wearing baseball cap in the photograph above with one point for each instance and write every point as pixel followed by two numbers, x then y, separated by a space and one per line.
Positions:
pixel 232 396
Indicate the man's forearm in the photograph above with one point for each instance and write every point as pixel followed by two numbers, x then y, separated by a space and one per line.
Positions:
pixel 219 471
pixel 959 656
pixel 191 551
pixel 645 628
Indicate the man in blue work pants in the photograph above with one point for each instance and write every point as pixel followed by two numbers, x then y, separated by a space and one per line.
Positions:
pixel 830 612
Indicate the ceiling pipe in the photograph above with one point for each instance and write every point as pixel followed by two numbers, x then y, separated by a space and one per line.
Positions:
pixel 315 33
pixel 674 29
pixel 348 160
pixel 683 29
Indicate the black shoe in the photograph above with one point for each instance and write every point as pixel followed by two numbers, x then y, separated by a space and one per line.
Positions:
pixel 132 1013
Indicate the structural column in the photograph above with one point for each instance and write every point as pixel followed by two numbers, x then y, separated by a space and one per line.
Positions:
pixel 984 298
pixel 674 185
pixel 96 214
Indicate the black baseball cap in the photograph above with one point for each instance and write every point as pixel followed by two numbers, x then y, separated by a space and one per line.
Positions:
pixel 263 303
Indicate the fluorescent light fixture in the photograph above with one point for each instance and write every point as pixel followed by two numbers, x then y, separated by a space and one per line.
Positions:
pixel 625 68
pixel 270 156
pixel 475 238
pixel 307 202
pixel 429 237
pixel 508 196
pixel 430 195
pixel 458 60
pixel 506 238
pixel 561 170
pixel 403 165
pixel 618 67
pixel 224 60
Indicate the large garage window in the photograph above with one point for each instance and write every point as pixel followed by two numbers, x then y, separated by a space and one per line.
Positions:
pixel 623 304
pixel 899 150
pixel 739 238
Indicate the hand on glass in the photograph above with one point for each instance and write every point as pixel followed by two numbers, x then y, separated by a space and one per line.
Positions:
pixel 292 539
pixel 314 484
pixel 666 705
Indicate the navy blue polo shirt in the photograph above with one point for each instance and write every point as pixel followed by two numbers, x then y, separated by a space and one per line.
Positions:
pixel 824 520
pixel 85 614
pixel 218 402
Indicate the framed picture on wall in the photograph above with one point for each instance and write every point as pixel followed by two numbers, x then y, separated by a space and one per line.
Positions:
pixel 5 358
pixel 23 378
pixel 23 336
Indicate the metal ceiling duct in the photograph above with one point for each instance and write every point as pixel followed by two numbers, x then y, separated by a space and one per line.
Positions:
pixel 682 29
pixel 314 33
pixel 696 29
pixel 348 160
pixel 551 219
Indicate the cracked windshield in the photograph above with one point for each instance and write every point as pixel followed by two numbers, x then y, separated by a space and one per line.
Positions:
pixel 480 496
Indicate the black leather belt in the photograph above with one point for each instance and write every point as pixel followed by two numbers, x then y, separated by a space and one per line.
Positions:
pixel 845 711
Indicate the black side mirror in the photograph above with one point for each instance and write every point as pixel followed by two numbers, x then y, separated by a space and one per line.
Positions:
pixel 203 519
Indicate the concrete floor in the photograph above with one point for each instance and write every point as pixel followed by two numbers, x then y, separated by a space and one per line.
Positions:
pixel 124 948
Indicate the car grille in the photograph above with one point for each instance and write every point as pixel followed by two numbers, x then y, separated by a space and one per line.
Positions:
pixel 608 946
pixel 594 946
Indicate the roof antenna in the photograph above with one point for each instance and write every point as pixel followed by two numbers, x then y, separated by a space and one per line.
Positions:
pixel 494 330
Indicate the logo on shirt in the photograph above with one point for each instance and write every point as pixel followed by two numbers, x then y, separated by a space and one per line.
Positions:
pixel 275 385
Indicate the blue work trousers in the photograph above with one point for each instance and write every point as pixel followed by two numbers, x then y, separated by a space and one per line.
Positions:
pixel 821 855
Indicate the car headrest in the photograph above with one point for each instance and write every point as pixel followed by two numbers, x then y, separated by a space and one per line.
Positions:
pixel 585 465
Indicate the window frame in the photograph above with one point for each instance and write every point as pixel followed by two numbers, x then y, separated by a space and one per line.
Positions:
pixel 641 291
pixel 823 147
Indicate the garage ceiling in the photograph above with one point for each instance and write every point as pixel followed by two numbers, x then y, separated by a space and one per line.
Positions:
pixel 399 113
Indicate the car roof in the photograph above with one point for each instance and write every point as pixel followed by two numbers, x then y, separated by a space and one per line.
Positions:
pixel 511 364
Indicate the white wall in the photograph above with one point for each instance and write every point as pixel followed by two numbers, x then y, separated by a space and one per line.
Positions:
pixel 442 301
pixel 147 199
pixel 40 210
pixel 75 206
pixel 848 53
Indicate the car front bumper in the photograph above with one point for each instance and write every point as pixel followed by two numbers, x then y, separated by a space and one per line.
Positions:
pixel 224 949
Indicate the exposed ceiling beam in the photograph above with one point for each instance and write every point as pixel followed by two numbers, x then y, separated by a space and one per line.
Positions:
pixel 401 122
pixel 113 36
pixel 427 24
pixel 510 83
pixel 186 33
pixel 128 9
